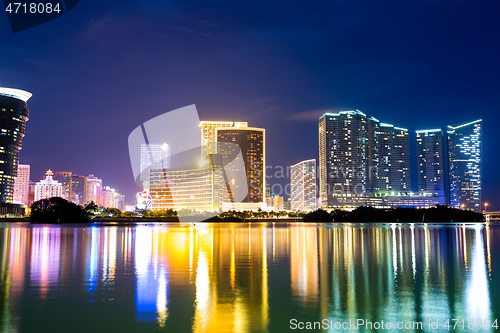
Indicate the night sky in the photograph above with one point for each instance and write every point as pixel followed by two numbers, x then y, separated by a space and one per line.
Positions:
pixel 105 67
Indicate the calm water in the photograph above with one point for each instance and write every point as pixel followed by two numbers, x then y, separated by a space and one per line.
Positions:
pixel 241 278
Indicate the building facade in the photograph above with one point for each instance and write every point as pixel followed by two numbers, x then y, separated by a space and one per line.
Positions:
pixel 343 156
pixel 464 163
pixel 64 178
pixel 154 156
pixel 392 149
pixel 250 142
pixel 21 184
pixel 48 188
pixel 197 187
pixel 303 185
pixel 430 162
pixel 13 117
pixel 93 190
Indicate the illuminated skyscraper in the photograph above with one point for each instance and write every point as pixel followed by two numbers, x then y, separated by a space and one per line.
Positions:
pixel 303 185
pixel 343 156
pixel 13 117
pixel 430 159
pixel 464 163
pixel 78 184
pixel 93 190
pixel 251 142
pixel 209 136
pixel 21 184
pixel 392 165
pixel 48 188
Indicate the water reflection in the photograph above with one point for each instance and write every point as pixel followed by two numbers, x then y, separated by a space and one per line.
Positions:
pixel 240 278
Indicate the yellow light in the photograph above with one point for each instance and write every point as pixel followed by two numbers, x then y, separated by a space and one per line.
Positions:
pixel 165 147
pixel 203 162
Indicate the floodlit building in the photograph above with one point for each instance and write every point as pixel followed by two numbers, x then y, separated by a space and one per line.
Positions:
pixel 303 185
pixel 343 156
pixel 464 163
pixel 430 162
pixel 278 203
pixel 21 184
pixel 250 142
pixel 209 135
pixel 93 190
pixel 198 186
pixel 48 187
pixel 112 199
pixel 13 117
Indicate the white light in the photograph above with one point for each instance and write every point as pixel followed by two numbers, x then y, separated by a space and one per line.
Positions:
pixel 16 93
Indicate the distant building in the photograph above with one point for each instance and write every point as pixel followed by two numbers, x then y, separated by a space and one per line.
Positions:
pixel 430 162
pixel 21 184
pixel 93 189
pixel 278 203
pixel 13 117
pixel 287 204
pixel 64 178
pixel 31 193
pixel 48 188
pixel 78 184
pixel 269 198
pixel 303 185
pixel 112 199
pixel 464 162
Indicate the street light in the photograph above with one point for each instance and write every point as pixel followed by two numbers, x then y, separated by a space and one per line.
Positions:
pixel 485 206
pixel 462 206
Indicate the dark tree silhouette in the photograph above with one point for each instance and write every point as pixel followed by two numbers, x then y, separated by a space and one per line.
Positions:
pixel 57 210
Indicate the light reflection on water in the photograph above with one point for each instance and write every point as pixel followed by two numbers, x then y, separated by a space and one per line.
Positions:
pixel 241 278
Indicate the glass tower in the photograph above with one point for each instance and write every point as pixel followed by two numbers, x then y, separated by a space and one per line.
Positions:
pixel 13 116
pixel 430 159
pixel 464 163
pixel 343 156
pixel 303 185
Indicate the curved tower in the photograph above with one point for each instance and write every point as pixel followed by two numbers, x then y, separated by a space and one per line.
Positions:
pixel 13 116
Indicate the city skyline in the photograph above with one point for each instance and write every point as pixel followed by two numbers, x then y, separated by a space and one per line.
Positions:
pixel 92 91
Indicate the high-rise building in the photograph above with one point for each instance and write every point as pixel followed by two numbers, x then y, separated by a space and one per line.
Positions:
pixel 343 156
pixel 209 136
pixel 154 156
pixel 48 187
pixel 251 143
pixel 430 162
pixel 13 117
pixel 278 203
pixel 303 185
pixel 112 199
pixel 93 189
pixel 464 163
pixel 64 178
pixel 393 158
pixel 21 184
pixel 78 184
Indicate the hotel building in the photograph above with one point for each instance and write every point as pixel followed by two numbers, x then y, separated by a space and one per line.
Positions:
pixel 153 156
pixel 13 117
pixel 251 144
pixel 464 164
pixel 303 185
pixel 21 184
pixel 430 162
pixel 198 186
pixel 48 187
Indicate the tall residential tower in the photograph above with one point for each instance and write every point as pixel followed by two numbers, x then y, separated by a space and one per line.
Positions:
pixel 13 116
pixel 430 162
pixel 303 185
pixel 464 163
